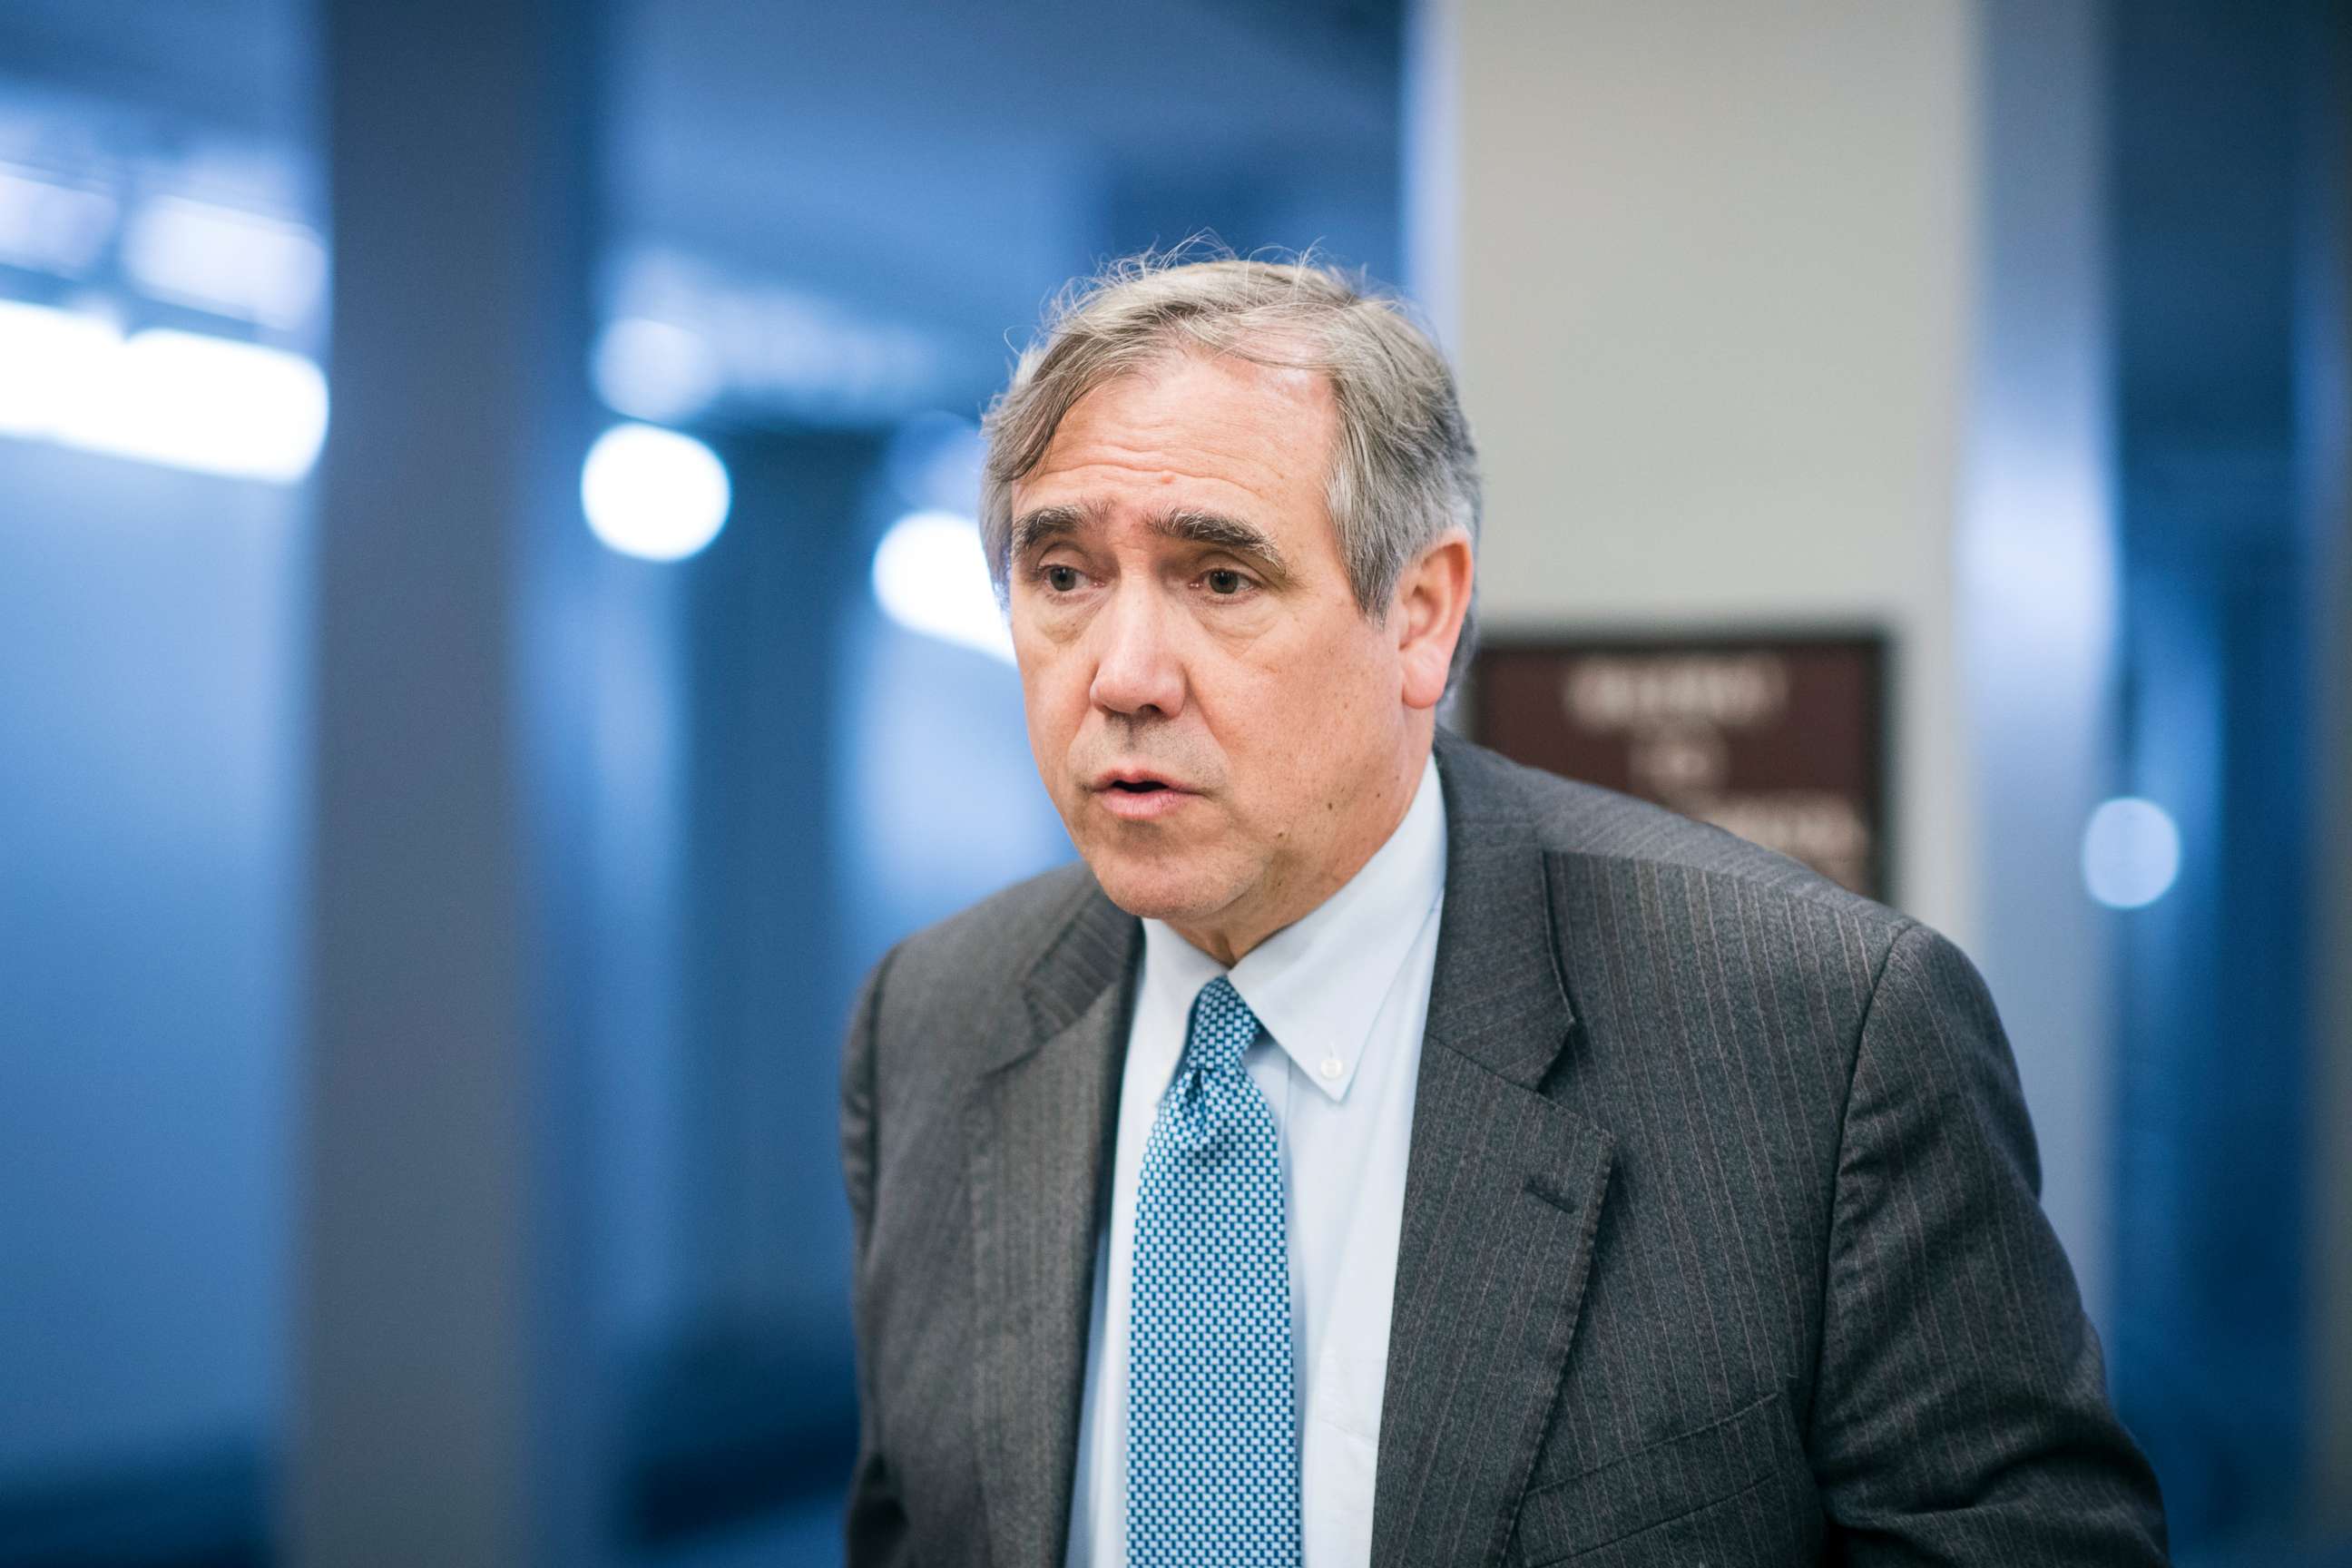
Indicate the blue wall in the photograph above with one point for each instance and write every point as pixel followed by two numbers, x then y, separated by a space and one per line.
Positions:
pixel 2211 172
pixel 146 967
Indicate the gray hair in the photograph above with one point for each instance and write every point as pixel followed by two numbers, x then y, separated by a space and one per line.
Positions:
pixel 1405 470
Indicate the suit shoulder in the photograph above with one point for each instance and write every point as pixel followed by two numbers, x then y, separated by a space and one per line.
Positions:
pixel 1576 819
pixel 984 949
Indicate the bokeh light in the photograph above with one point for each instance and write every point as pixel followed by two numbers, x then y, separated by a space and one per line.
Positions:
pixel 654 493
pixel 930 577
pixel 2131 853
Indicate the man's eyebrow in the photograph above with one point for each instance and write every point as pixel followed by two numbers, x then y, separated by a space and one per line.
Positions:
pixel 1032 529
pixel 1225 534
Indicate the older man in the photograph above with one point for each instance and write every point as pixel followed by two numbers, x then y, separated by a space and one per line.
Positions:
pixel 1376 1151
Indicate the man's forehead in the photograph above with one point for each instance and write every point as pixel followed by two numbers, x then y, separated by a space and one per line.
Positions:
pixel 1221 423
pixel 1243 375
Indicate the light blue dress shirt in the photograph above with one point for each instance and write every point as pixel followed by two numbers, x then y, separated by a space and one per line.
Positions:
pixel 1343 993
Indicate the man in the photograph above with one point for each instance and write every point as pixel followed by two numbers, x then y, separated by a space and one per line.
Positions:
pixel 1377 1152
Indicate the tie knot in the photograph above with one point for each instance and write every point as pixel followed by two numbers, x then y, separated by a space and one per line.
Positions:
pixel 1223 1027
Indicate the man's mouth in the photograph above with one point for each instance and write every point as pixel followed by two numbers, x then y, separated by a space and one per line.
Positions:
pixel 1133 779
pixel 1138 796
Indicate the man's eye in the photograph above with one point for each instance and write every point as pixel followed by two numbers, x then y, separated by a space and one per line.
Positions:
pixel 1062 579
pixel 1225 585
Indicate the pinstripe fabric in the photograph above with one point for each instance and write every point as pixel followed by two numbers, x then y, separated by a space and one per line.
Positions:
pixel 1720 1242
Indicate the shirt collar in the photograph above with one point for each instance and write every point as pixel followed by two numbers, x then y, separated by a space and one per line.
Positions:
pixel 1319 984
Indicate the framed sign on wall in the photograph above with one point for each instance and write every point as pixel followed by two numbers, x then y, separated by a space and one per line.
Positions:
pixel 1779 738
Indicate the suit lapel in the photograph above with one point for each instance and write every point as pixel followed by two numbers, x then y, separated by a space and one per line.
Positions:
pixel 1042 1121
pixel 1503 1195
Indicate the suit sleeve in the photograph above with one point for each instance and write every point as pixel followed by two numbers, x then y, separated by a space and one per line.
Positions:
pixel 1961 1414
pixel 875 1526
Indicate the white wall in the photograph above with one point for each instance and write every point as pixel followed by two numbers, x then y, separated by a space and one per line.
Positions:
pixel 1792 314
pixel 2038 594
pixel 1715 276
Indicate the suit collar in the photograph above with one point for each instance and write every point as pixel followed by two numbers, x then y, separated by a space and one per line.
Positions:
pixel 1093 948
pixel 1498 996
pixel 1038 1134
pixel 1503 1195
pixel 1504 1188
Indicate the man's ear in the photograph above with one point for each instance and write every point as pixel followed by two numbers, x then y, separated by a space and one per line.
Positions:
pixel 1433 597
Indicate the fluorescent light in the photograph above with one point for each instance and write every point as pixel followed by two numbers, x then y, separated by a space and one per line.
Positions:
pixel 203 404
pixel 653 370
pixel 652 493
pixel 209 405
pixel 236 263
pixel 930 577
pixel 53 364
pixel 779 347
pixel 50 227
pixel 2131 853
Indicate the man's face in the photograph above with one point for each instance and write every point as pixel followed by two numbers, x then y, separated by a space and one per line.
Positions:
pixel 1225 734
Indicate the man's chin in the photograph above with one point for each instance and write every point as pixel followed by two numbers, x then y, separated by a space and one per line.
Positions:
pixel 1150 890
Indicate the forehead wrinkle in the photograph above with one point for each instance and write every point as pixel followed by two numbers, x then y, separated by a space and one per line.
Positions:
pixel 1237 444
pixel 1111 472
pixel 1261 448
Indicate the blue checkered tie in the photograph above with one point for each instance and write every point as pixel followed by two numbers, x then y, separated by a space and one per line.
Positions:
pixel 1211 1438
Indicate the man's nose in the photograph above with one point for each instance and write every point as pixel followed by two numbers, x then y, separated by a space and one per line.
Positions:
pixel 1138 667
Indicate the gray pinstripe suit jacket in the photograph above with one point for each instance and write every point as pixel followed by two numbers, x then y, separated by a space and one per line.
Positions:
pixel 1720 1240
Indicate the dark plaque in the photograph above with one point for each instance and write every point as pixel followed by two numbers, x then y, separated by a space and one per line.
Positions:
pixel 1780 740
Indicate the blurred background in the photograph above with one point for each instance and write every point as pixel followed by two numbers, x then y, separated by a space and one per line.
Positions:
pixel 438 850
